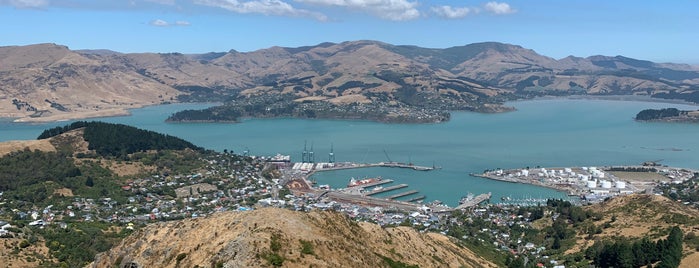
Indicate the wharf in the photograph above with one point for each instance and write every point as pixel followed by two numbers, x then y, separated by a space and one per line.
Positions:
pixel 381 182
pixel 403 165
pixel 402 194
pixel 473 202
pixel 422 197
pixel 387 189
pixel 371 201
pixel 348 165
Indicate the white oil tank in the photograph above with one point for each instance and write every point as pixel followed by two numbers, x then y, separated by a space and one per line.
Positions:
pixel 606 184
pixel 620 184
pixel 591 184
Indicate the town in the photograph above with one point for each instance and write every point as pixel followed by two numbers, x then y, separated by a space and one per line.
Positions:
pixel 231 182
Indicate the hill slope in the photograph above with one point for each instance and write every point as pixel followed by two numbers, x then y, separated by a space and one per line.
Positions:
pixel 244 239
pixel 51 82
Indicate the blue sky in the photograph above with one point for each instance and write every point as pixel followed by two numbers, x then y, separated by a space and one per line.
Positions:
pixel 666 31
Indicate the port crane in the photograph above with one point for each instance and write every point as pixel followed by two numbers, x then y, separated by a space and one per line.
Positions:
pixel 387 157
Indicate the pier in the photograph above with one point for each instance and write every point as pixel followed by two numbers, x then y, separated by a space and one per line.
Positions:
pixel 473 202
pixel 415 199
pixel 371 201
pixel 403 165
pixel 381 182
pixel 402 194
pixel 387 189
pixel 318 167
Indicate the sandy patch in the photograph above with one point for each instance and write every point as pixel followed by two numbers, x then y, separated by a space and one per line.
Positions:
pixel 12 146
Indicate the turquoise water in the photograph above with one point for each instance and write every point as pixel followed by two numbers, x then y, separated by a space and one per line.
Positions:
pixel 551 133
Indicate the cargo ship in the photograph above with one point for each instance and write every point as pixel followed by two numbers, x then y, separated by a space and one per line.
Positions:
pixel 354 182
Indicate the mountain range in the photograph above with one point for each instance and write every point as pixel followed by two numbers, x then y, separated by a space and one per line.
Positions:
pixel 50 82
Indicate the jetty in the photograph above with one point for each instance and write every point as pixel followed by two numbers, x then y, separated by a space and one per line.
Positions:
pixel 404 165
pixel 402 194
pixel 415 199
pixel 311 168
pixel 473 202
pixel 387 189
pixel 371 184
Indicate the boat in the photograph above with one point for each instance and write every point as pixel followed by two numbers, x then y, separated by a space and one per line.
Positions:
pixel 377 188
pixel 354 182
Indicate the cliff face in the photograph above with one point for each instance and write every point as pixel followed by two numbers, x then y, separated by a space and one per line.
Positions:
pixel 293 239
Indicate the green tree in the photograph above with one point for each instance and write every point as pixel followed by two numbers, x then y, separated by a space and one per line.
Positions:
pixel 89 182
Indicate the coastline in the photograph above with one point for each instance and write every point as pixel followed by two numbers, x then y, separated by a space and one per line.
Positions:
pixel 498 108
pixel 566 190
pixel 634 98
pixel 75 115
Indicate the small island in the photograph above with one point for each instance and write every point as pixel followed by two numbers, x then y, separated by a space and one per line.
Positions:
pixel 668 115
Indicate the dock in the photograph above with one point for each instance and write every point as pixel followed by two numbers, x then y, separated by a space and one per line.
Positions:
pixel 404 165
pixel 422 197
pixel 339 166
pixel 473 202
pixel 387 189
pixel 381 182
pixel 402 194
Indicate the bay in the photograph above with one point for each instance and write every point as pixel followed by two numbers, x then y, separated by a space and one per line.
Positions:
pixel 547 133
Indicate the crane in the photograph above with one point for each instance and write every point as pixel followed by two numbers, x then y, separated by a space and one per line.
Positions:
pixel 387 157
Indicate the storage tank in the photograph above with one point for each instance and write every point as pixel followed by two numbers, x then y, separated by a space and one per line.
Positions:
pixel 620 184
pixel 591 184
pixel 606 184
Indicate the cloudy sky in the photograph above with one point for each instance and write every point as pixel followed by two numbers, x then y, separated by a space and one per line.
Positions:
pixel 653 30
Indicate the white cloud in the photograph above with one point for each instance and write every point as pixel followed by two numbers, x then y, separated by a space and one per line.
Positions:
pixel 28 3
pixel 265 7
pixel 162 23
pixel 499 8
pixel 397 10
pixel 450 12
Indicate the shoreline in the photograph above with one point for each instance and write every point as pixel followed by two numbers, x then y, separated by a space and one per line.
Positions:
pixel 75 116
pixel 504 108
pixel 632 98
pixel 565 190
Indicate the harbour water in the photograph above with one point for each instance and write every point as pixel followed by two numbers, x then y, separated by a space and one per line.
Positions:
pixel 547 133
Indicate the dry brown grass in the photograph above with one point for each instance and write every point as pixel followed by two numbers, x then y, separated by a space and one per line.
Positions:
pixel 10 259
pixel 690 261
pixel 12 146
pixel 238 239
pixel 350 99
pixel 640 215
pixel 639 176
